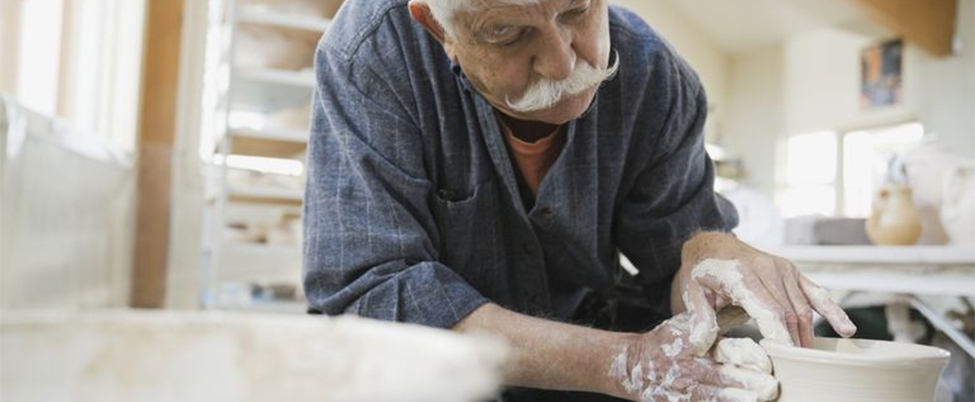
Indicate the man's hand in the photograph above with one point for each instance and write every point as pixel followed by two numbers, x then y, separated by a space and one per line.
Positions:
pixel 719 270
pixel 660 366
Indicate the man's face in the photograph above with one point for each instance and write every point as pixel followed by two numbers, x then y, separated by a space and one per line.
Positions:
pixel 506 49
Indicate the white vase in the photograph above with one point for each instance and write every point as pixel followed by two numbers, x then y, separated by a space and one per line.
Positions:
pixel 958 205
pixel 855 370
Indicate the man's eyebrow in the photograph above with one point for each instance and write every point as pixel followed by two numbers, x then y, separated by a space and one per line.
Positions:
pixel 480 24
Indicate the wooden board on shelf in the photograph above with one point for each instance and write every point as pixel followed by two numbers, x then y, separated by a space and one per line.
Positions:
pixel 257 146
pixel 300 136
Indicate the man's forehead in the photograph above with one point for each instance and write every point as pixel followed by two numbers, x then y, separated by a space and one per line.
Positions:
pixel 487 8
pixel 479 6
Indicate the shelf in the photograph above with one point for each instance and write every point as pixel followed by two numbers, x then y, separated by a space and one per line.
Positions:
pixel 262 96
pixel 273 135
pixel 260 263
pixel 877 255
pixel 300 79
pixel 272 144
pixel 271 193
pixel 919 270
pixel 267 214
pixel 948 283
pixel 300 22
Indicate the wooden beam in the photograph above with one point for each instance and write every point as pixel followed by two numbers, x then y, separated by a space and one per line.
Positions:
pixel 157 131
pixel 929 24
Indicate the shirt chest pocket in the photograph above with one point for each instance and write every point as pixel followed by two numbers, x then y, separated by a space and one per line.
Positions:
pixel 468 221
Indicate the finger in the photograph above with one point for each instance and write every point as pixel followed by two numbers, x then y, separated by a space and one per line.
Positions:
pixel 704 322
pixel 800 304
pixel 744 353
pixel 763 385
pixel 771 317
pixel 773 284
pixel 710 393
pixel 708 372
pixel 726 278
pixel 824 304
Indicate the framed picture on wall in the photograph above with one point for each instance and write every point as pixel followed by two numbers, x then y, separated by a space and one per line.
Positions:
pixel 881 80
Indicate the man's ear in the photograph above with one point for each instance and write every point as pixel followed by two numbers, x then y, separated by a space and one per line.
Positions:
pixel 420 12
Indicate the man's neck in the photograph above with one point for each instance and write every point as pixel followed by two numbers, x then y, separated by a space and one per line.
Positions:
pixel 528 131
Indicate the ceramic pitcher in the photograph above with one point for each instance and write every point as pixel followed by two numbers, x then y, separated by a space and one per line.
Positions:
pixel 958 204
pixel 895 220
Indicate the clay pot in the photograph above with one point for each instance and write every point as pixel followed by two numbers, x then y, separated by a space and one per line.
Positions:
pixel 895 220
pixel 854 370
pixel 958 205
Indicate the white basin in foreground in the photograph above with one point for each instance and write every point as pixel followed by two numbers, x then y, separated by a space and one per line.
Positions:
pixel 234 357
pixel 845 370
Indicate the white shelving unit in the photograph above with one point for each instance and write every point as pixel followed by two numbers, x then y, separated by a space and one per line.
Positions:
pixel 285 20
pixel 262 82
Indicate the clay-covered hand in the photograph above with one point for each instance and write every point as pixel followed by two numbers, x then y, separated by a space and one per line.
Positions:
pixel 719 270
pixel 660 366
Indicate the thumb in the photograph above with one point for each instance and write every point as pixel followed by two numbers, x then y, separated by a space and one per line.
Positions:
pixel 704 322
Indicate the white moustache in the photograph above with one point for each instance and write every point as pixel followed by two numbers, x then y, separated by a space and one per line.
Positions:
pixel 547 93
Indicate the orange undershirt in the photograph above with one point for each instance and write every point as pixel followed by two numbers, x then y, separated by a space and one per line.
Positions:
pixel 534 158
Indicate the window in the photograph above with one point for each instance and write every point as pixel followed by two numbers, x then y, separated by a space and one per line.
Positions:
pixel 40 53
pixel 836 174
pixel 79 60
pixel 810 175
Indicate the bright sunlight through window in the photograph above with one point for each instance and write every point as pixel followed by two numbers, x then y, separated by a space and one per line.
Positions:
pixel 811 161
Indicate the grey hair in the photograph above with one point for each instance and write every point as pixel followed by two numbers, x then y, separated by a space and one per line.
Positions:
pixel 444 10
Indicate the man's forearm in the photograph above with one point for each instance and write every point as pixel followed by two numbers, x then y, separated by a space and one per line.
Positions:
pixel 551 355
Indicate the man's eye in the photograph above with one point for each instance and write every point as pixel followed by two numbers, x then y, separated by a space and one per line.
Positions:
pixel 577 12
pixel 500 32
pixel 507 36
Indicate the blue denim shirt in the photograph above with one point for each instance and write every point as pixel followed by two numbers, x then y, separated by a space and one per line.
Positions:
pixel 413 210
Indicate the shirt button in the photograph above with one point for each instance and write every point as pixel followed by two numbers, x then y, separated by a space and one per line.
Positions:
pixel 527 248
pixel 547 213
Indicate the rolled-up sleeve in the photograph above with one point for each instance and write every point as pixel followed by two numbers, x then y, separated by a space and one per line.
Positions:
pixel 370 237
pixel 673 196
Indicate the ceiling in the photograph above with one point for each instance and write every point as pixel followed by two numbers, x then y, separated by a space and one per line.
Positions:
pixel 738 26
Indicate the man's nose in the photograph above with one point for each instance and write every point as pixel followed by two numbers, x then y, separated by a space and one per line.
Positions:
pixel 556 58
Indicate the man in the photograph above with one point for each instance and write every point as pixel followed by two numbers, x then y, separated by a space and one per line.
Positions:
pixel 478 165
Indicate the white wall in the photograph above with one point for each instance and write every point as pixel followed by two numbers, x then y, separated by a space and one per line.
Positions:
pixel 695 45
pixel 818 89
pixel 946 93
pixel 755 116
